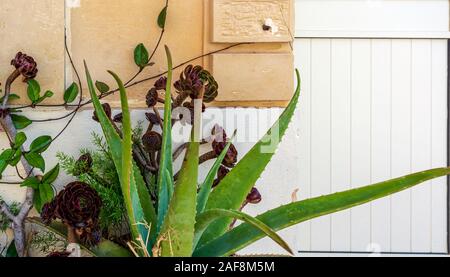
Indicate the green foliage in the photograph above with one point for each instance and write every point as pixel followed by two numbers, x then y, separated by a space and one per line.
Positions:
pixel 35 160
pixel 165 185
pixel 102 87
pixel 5 223
pixel 20 122
pixel 141 56
pixel 103 178
pixel 71 93
pixel 162 18
pixel 40 144
pixel 133 187
pixel 33 90
pixel 206 187
pixel 44 192
pixel 295 213
pixel 11 97
pixel 179 224
pixel 34 93
pixel 234 188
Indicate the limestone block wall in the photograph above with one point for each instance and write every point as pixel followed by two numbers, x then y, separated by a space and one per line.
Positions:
pixel 256 73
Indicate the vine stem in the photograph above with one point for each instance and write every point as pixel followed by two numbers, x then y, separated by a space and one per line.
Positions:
pixel 17 220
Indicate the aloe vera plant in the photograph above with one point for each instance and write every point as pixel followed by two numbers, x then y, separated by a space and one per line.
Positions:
pixel 193 220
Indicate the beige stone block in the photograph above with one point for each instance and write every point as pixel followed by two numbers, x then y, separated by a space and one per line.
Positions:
pixel 105 34
pixel 254 77
pixel 35 27
pixel 243 20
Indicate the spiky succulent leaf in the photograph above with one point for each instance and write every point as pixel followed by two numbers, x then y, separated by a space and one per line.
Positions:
pixel 205 188
pixel 206 218
pixel 295 213
pixel 132 185
pixel 235 187
pixel 165 185
pixel 178 228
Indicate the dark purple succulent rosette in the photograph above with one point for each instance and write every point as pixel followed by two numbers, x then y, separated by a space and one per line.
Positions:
pixel 26 65
pixel 152 141
pixel 161 83
pixel 152 97
pixel 190 81
pixel 78 206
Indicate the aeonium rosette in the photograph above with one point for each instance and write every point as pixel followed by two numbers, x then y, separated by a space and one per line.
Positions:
pixel 78 206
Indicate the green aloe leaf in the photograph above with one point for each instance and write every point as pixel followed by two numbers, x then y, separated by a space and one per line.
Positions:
pixel 234 188
pixel 131 185
pixel 206 218
pixel 179 225
pixel 205 188
pixel 166 163
pixel 295 213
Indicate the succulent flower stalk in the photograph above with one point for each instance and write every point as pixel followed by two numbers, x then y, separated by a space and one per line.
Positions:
pixel 152 141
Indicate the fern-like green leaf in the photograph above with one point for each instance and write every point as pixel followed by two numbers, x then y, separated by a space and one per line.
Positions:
pixel 234 188
pixel 295 213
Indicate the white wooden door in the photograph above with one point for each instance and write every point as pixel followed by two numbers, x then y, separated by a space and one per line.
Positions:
pixel 374 107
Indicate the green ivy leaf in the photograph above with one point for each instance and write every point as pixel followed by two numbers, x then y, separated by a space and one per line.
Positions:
pixel 47 94
pixel 71 93
pixel 16 158
pixel 46 193
pixel 20 122
pixel 102 87
pixel 36 160
pixel 51 176
pixel 37 202
pixel 162 18
pixel 31 182
pixel 11 97
pixel 34 90
pixel 7 155
pixel 20 140
pixel 12 251
pixel 40 144
pixel 3 166
pixel 141 56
